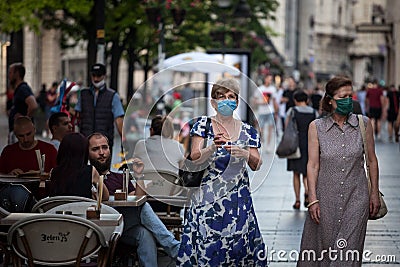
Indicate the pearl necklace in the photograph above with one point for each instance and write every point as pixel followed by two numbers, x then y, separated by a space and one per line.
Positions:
pixel 224 134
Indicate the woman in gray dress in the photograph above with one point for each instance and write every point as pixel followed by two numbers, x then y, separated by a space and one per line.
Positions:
pixel 335 227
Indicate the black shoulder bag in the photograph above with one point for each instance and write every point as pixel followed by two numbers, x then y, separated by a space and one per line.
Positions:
pixel 191 173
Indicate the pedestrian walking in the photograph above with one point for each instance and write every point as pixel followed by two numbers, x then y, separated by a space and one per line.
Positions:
pixel 263 99
pixel 221 227
pixel 303 115
pixel 392 98
pixel 340 202
pixel 24 102
pixel 375 102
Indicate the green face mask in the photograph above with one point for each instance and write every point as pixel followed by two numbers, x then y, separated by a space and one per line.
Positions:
pixel 344 106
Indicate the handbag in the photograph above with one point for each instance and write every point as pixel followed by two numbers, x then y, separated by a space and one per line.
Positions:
pixel 191 173
pixel 289 145
pixel 383 209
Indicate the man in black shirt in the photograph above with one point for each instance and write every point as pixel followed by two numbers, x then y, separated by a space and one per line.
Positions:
pixel 24 102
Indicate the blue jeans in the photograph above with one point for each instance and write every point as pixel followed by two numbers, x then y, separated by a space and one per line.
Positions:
pixel 144 230
pixel 163 236
pixel 144 240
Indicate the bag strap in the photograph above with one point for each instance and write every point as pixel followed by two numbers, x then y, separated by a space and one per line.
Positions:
pixel 207 129
pixel 293 117
pixel 363 135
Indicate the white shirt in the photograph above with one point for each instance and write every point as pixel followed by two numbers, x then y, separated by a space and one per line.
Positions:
pixel 266 93
pixel 160 153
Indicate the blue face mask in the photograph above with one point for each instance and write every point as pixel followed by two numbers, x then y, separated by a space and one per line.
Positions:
pixel 226 107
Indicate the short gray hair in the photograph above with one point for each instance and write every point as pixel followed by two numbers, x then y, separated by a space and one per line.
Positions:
pixel 225 84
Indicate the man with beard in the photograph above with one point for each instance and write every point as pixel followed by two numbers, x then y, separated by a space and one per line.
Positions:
pixel 24 102
pixel 21 157
pixel 142 227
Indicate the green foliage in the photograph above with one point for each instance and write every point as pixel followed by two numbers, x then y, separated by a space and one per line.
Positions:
pixel 16 14
pixel 127 24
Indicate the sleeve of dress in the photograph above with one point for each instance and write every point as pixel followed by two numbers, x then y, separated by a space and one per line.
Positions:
pixel 254 137
pixel 199 127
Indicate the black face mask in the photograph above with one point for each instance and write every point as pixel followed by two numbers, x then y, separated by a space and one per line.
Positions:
pixel 101 167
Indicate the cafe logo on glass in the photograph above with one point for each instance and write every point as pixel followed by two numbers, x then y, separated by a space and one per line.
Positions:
pixel 53 238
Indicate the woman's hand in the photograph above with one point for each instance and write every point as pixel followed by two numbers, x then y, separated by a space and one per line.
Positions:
pixel 219 140
pixel 237 151
pixel 16 172
pixel 137 166
pixel 374 204
pixel 314 211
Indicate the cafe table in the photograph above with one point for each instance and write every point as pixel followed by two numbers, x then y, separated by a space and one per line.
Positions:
pixel 180 201
pixel 7 178
pixel 104 220
pixel 131 201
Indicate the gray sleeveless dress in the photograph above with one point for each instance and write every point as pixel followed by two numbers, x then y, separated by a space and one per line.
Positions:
pixel 342 190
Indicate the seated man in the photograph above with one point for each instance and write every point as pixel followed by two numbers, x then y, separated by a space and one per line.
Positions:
pixel 59 125
pixel 142 227
pixel 160 151
pixel 21 157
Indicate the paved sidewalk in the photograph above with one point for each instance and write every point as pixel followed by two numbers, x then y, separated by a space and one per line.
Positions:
pixel 281 226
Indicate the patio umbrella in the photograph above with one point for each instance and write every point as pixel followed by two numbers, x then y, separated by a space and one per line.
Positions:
pixel 197 62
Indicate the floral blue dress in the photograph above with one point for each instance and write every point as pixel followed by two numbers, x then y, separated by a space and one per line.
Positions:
pixel 221 227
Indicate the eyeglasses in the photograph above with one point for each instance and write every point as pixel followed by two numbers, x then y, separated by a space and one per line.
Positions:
pixel 230 96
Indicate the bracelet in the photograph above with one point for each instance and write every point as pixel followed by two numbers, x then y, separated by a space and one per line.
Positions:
pixel 312 203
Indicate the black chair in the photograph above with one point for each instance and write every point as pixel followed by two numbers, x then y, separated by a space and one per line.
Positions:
pixel 13 198
pixel 16 198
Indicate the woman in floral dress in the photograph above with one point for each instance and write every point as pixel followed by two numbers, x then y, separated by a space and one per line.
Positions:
pixel 221 226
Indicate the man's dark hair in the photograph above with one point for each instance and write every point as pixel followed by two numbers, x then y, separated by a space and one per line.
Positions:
pixel 161 125
pixel 20 68
pixel 300 96
pixel 54 119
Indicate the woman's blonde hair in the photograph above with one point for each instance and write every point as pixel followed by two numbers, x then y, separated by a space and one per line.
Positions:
pixel 224 85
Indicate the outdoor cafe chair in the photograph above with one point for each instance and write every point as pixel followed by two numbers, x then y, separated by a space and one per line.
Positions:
pixel 48 203
pixel 55 239
pixel 162 182
pixel 111 233
pixel 3 238
pixel 165 184
pixel 16 198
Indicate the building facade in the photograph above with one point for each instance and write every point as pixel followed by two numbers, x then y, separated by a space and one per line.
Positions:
pixel 321 39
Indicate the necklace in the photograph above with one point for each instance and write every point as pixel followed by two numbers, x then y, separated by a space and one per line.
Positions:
pixel 226 133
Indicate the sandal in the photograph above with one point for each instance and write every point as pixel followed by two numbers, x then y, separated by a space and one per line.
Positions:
pixel 296 205
pixel 306 201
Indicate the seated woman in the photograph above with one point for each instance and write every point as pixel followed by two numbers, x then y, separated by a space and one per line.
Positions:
pixel 73 176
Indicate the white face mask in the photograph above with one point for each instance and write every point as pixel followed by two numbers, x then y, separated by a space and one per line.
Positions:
pixel 99 84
